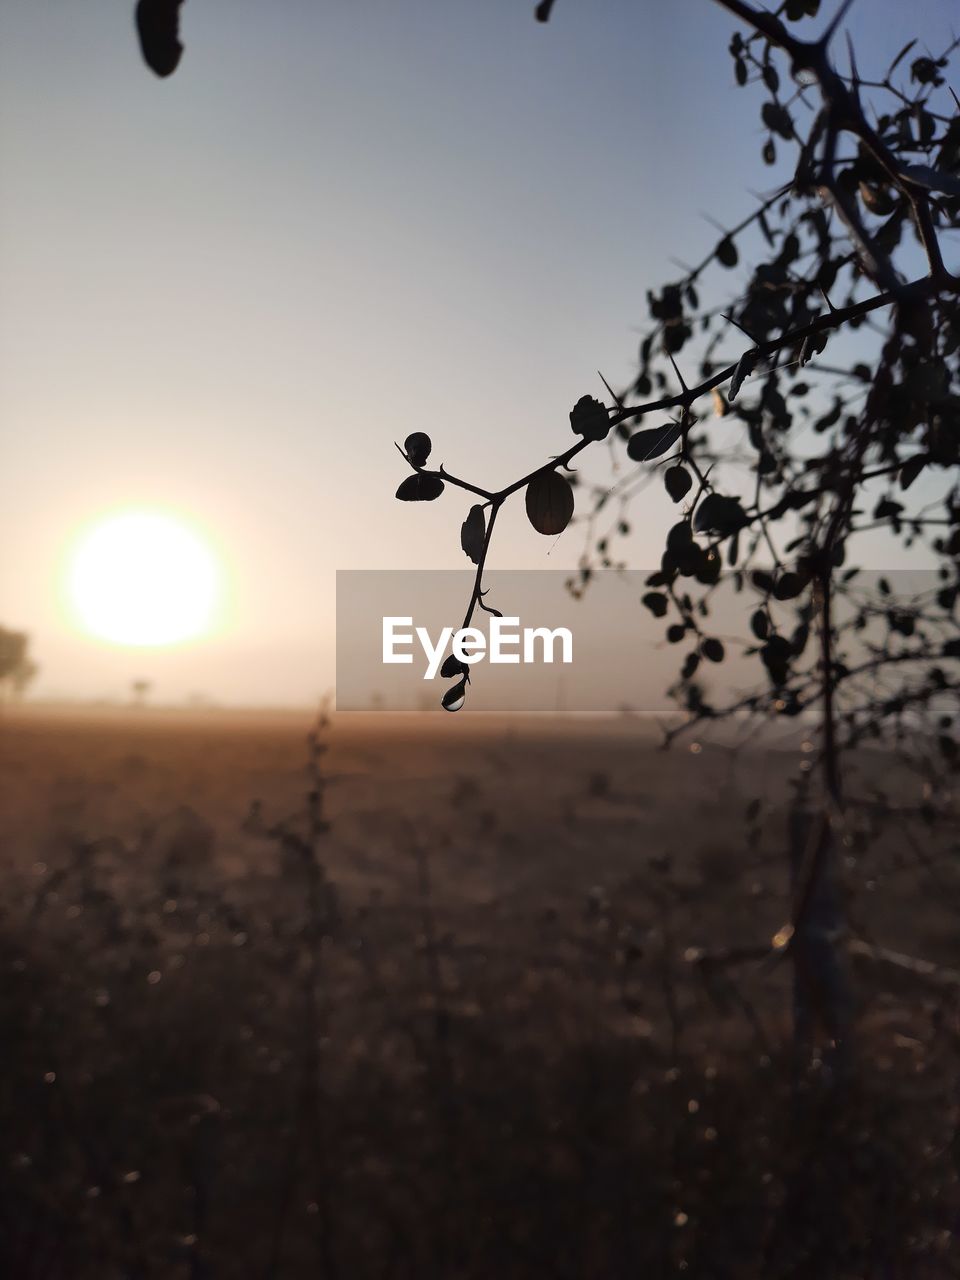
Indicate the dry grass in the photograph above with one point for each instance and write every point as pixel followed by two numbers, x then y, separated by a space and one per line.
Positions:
pixel 481 1050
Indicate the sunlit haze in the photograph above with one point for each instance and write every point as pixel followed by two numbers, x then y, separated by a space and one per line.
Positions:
pixel 144 578
pixel 227 294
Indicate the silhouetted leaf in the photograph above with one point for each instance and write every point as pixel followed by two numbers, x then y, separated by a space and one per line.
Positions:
pixel 690 664
pixel 712 650
pixel 417 448
pixel 911 469
pixel 676 633
pixel 644 445
pixel 719 514
pixel 656 602
pixel 422 487
pixel 951 649
pixel 760 624
pixel 452 666
pixel 549 501
pixel 542 10
pixel 789 586
pixel 743 370
pixel 777 119
pixel 678 482
pixel 589 418
pixel 472 533
pixel 158 26
pixel 726 253
pixel 455 697
pixel 797 9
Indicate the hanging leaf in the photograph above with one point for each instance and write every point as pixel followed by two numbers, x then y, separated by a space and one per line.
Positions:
pixel 472 533
pixel 726 253
pixel 789 586
pixel 760 624
pixel 677 482
pixel 158 26
pixel 656 602
pixel 452 666
pixel 589 418
pixel 455 697
pixel 645 445
pixel 911 469
pixel 743 370
pixel 690 664
pixel 712 650
pixel 549 501
pixel 417 448
pixel 422 487
pixel 777 119
pixel 719 514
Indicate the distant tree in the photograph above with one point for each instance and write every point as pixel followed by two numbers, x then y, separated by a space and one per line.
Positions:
pixel 17 668
pixel 140 690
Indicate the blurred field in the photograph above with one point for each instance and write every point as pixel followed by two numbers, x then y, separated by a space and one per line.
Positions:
pixel 460 1032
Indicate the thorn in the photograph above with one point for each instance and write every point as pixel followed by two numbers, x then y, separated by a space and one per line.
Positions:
pixel 854 73
pixel 613 394
pixel 830 305
pixel 737 323
pixel 955 98
pixel 683 386
pixel 542 11
pixel 837 19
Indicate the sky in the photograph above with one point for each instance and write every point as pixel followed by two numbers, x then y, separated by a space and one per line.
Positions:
pixel 228 293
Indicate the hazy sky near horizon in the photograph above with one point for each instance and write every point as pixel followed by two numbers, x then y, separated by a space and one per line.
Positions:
pixel 228 293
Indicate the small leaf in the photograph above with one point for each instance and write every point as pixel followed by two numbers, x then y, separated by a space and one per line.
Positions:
pixel 645 445
pixel 690 665
pixel 676 633
pixel 422 487
pixel 158 26
pixel 760 624
pixel 719 514
pixel 743 370
pixel 677 482
pixel 589 418
pixel 789 586
pixel 911 469
pixel 452 666
pixel 417 448
pixel 549 502
pixel 472 533
pixel 712 650
pixel 656 602
pixel 726 253
pixel 455 697
pixel 777 119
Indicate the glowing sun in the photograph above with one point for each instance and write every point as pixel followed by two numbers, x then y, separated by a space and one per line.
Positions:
pixel 143 577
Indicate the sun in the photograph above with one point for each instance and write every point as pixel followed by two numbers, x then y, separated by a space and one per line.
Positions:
pixel 144 578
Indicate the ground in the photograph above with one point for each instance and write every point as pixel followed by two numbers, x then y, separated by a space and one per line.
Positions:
pixel 449 1016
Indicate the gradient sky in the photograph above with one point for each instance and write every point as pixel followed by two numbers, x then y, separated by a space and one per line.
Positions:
pixel 230 292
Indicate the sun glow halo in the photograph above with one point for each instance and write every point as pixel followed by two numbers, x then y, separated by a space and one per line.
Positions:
pixel 144 578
